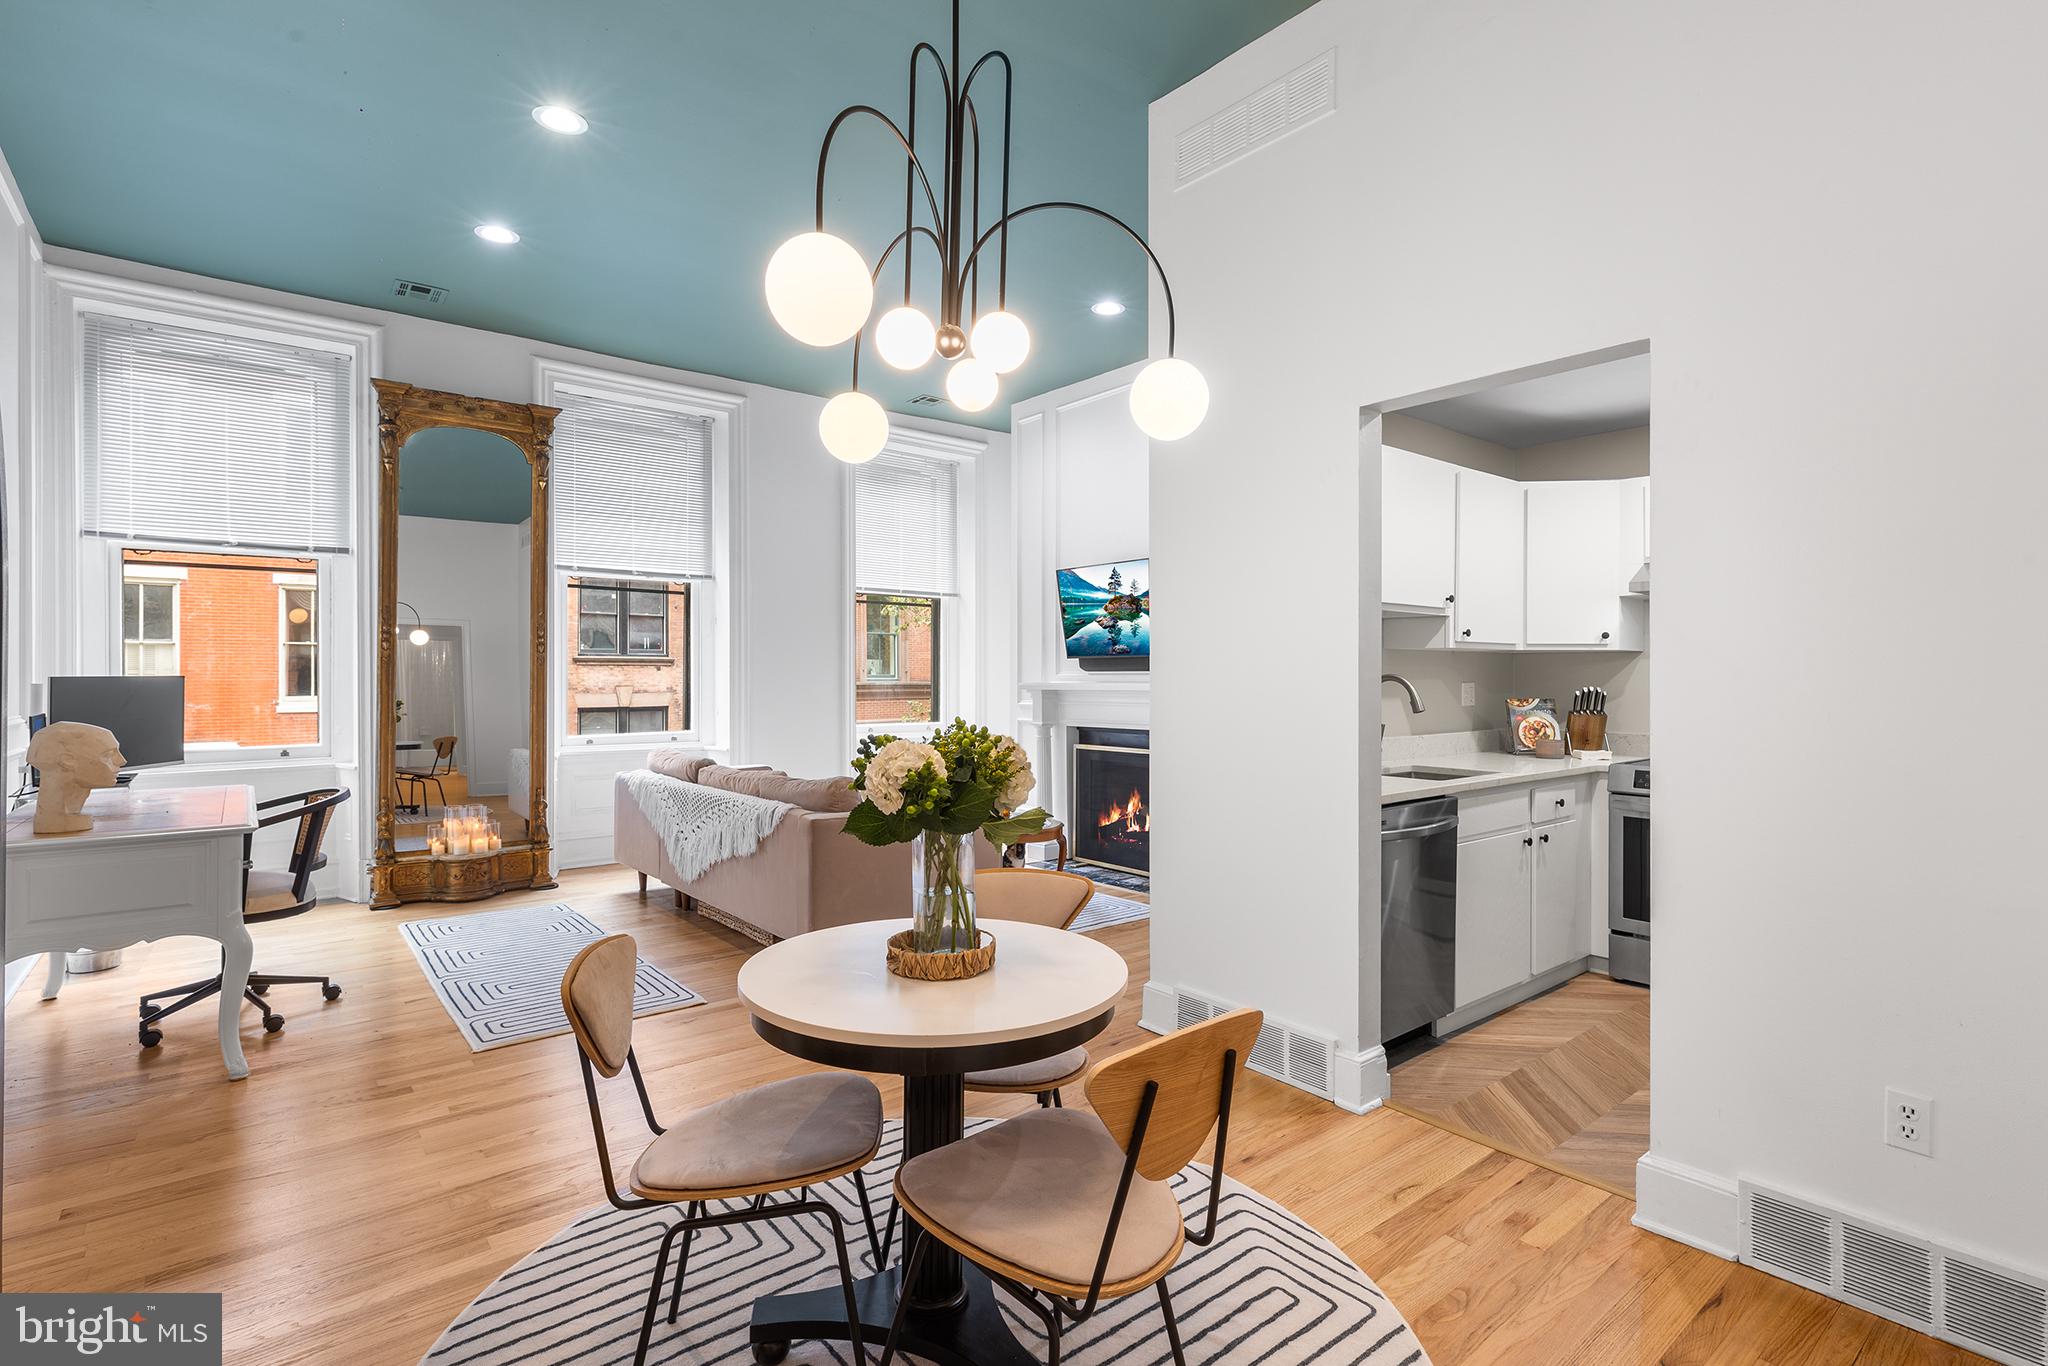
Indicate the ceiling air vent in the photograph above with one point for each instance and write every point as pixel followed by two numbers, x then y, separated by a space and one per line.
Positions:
pixel 417 292
pixel 1996 1313
pixel 926 401
pixel 1263 117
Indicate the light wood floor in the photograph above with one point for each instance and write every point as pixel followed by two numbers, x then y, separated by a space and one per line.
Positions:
pixel 373 1174
pixel 1563 1080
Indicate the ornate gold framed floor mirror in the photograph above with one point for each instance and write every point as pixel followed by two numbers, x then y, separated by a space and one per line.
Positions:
pixel 462 640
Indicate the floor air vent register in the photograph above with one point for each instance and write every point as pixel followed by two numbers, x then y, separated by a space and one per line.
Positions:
pixel 1952 1295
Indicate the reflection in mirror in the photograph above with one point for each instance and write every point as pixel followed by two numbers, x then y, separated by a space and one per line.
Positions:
pixel 461 709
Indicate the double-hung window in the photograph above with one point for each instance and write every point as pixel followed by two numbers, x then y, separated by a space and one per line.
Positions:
pixel 906 514
pixel 216 464
pixel 635 481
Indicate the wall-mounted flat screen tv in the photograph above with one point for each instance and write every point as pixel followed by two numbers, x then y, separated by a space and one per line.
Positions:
pixel 1106 610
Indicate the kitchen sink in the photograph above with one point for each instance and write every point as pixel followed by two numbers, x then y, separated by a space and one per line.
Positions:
pixel 1434 775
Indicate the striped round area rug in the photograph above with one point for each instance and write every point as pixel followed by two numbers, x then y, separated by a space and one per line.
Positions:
pixel 1269 1290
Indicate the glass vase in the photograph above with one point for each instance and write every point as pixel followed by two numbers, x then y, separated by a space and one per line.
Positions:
pixel 942 893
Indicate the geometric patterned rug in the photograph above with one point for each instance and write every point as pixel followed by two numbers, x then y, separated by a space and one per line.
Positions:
pixel 1269 1290
pixel 499 973
pixel 1105 909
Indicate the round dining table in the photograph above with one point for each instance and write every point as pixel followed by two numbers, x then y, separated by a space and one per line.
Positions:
pixel 829 997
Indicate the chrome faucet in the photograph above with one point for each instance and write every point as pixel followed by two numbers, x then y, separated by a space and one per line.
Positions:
pixel 1414 698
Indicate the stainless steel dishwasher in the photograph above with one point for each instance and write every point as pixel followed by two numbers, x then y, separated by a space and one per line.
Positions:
pixel 1418 913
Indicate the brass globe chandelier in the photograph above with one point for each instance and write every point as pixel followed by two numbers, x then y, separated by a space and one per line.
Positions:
pixel 822 291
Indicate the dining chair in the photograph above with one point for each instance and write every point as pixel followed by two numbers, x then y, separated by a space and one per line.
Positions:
pixel 1065 1209
pixel 266 895
pixel 417 778
pixel 1043 897
pixel 780 1138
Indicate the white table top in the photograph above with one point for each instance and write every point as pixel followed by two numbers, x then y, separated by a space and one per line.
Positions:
pixel 836 984
pixel 125 813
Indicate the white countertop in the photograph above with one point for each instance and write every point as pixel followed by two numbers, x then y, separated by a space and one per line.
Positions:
pixel 1497 770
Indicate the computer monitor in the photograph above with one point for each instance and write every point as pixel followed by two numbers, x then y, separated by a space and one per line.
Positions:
pixel 147 715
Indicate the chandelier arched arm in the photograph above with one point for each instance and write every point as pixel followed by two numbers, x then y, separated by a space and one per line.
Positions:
pixel 911 173
pixel 825 151
pixel 881 262
pixel 1009 91
pixel 1158 269
pixel 974 198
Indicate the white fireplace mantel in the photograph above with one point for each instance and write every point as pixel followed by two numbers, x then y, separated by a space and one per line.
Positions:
pixel 1049 714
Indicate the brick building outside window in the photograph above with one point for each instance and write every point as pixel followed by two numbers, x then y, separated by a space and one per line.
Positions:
pixel 629 656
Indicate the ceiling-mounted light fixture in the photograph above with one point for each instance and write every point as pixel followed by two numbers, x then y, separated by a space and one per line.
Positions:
pixel 1107 308
pixel 418 635
pixel 560 118
pixel 497 233
pixel 821 290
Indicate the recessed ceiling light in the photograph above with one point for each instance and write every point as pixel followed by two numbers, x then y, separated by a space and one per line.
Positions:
pixel 1106 308
pixel 497 232
pixel 560 118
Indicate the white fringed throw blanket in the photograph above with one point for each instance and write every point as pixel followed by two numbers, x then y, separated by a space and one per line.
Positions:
pixel 702 826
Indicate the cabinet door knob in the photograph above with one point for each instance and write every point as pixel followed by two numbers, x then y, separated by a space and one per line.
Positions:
pixel 1450 597
pixel 1526 841
pixel 1546 839
pixel 1560 801
pixel 1466 632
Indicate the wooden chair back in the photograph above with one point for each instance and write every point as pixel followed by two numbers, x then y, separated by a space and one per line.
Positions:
pixel 597 996
pixel 1038 895
pixel 1188 1066
pixel 444 754
pixel 314 811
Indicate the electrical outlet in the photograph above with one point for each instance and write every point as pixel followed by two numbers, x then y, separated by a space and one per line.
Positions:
pixel 1909 1122
pixel 1468 694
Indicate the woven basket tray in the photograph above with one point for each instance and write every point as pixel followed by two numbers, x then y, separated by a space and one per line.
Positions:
pixel 906 961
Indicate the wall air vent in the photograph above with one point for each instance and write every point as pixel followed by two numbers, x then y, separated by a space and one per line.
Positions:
pixel 1958 1297
pixel 1281 1051
pixel 417 292
pixel 1263 117
pixel 926 401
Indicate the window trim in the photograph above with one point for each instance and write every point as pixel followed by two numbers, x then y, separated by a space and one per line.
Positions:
pixel 620 713
pixel 715 664
pixel 287 702
pixel 623 619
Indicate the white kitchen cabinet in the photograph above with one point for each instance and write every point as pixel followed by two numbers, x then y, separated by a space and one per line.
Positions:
pixel 1635 532
pixel 1493 915
pixel 1418 532
pixel 1560 896
pixel 1489 581
pixel 1573 540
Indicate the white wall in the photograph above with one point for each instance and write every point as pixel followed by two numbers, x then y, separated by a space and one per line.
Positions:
pixel 1822 218
pixel 473 575
pixel 795 600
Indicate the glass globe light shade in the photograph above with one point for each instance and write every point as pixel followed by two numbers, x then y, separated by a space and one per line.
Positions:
pixel 1002 340
pixel 971 384
pixel 854 427
pixel 904 338
pixel 418 635
pixel 819 289
pixel 1169 399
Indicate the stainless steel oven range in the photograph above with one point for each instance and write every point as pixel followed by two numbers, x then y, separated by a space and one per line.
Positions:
pixel 1628 872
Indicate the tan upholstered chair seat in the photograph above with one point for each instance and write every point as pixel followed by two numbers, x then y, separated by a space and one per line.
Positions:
pixel 772 1137
pixel 268 892
pixel 1044 1074
pixel 1035 1192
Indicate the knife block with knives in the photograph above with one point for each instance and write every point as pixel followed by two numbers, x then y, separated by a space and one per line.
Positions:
pixel 1586 724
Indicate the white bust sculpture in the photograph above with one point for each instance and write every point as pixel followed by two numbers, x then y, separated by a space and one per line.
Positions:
pixel 73 759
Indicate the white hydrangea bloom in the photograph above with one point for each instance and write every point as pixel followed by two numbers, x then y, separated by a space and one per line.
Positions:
pixel 892 764
pixel 1021 782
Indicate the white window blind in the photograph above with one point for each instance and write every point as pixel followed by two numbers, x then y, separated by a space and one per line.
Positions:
pixel 211 438
pixel 905 511
pixel 632 488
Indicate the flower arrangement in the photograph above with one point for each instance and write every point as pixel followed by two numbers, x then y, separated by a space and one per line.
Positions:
pixel 937 794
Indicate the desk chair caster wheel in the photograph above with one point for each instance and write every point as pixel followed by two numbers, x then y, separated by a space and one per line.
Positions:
pixel 768 1353
pixel 149 1038
pixel 261 989
pixel 332 991
pixel 272 1022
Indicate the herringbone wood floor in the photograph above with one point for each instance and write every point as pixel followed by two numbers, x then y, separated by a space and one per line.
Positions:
pixel 373 1174
pixel 1563 1079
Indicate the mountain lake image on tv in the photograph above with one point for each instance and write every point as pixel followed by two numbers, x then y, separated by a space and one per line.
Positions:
pixel 1106 610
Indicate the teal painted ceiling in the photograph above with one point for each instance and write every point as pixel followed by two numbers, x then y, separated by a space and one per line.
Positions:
pixel 463 475
pixel 329 149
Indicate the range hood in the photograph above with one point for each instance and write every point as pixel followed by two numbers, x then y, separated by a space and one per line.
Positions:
pixel 1640 583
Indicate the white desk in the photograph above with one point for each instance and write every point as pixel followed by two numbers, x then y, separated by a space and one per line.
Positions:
pixel 159 862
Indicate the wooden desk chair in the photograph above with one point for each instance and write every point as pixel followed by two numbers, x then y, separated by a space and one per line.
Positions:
pixel 417 778
pixel 1101 1222
pixel 265 896
pixel 1043 897
pixel 784 1136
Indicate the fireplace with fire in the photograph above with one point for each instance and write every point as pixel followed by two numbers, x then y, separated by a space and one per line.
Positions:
pixel 1112 802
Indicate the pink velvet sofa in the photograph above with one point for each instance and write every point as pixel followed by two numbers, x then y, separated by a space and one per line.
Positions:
pixel 808 874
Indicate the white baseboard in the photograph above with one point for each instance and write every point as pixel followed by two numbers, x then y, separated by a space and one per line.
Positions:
pixel 1688 1205
pixel 1159 1013
pixel 1359 1081
pixel 18 972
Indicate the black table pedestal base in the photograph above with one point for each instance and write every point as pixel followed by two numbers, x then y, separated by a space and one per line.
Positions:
pixel 975 1334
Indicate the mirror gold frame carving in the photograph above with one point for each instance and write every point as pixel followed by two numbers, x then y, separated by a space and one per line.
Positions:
pixel 395 877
